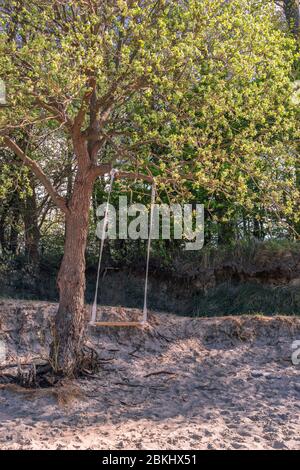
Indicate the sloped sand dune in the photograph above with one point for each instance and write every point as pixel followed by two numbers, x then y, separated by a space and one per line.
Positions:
pixel 179 383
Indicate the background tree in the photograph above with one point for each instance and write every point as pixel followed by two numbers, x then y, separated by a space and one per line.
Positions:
pixel 291 9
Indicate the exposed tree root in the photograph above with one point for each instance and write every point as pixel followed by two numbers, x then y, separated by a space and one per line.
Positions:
pixel 43 375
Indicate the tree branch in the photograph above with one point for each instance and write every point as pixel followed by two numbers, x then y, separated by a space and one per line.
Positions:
pixel 134 176
pixel 39 173
pixel 104 169
pixel 53 110
pixel 79 119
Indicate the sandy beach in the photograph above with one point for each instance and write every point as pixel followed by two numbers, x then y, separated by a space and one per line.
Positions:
pixel 178 383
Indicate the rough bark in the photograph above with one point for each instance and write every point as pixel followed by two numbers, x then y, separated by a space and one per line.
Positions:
pixel 70 318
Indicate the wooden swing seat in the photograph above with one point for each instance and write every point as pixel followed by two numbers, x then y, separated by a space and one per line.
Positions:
pixel 117 323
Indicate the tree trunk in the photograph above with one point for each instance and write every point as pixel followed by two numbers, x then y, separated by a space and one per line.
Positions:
pixel 297 224
pixel 256 229
pixel 14 224
pixel 226 233
pixel 32 232
pixel 13 240
pixel 292 14
pixel 3 240
pixel 70 320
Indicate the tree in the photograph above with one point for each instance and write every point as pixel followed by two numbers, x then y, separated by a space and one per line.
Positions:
pixel 129 82
pixel 291 9
pixel 13 197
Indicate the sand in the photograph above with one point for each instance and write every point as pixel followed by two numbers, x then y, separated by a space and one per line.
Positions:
pixel 179 383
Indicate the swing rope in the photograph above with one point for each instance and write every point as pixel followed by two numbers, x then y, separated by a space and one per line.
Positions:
pixel 105 222
pixel 145 310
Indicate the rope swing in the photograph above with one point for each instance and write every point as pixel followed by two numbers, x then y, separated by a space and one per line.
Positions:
pixel 145 310
pixel 144 320
pixel 105 222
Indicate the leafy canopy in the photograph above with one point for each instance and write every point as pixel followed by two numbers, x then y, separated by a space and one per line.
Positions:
pixel 191 90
